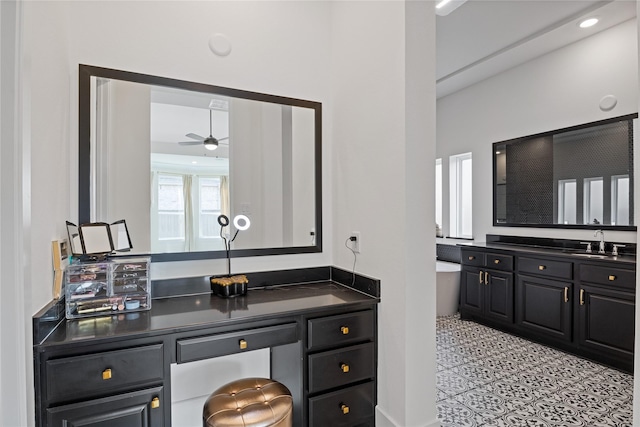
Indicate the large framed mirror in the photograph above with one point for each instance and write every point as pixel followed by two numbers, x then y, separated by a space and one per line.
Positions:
pixel 579 177
pixel 169 156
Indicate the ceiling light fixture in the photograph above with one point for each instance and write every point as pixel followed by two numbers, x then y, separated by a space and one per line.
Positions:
pixel 588 22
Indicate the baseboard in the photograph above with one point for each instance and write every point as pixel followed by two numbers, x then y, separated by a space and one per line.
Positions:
pixel 384 420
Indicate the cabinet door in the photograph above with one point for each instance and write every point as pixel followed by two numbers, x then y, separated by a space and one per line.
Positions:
pixel 137 409
pixel 471 290
pixel 544 306
pixel 498 300
pixel 607 321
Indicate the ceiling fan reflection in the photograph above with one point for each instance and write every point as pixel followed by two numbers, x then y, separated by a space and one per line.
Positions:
pixel 210 142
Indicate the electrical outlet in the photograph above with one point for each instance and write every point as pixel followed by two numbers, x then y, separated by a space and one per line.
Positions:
pixel 355 243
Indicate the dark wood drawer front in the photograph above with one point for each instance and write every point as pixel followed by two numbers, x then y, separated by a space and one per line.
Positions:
pixel 544 267
pixel 605 275
pixel 106 372
pixel 136 409
pixel 341 329
pixel 500 262
pixel 346 407
pixel 474 258
pixel 191 349
pixel 337 368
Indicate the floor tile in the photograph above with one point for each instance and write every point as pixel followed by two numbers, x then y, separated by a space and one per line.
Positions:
pixel 488 378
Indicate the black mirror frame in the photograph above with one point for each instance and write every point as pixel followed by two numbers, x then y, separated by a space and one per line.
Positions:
pixel 559 226
pixel 84 154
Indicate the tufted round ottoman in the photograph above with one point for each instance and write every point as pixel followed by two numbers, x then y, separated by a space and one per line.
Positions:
pixel 249 402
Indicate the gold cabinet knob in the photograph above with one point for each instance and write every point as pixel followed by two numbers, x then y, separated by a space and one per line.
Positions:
pixel 496 261
pixel 542 267
pixel 106 374
pixel 344 330
pixel 344 367
pixel 612 278
pixel 471 258
pixel 155 402
pixel 345 408
pixel 243 344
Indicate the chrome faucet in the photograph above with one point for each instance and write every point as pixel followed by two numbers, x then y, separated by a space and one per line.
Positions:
pixel 601 247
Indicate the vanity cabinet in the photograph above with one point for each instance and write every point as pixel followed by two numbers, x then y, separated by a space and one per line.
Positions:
pixel 341 365
pixel 120 387
pixel 581 304
pixel 116 370
pixel 606 312
pixel 486 287
pixel 544 294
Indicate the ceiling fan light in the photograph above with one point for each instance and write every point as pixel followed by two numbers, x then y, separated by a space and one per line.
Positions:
pixel 211 144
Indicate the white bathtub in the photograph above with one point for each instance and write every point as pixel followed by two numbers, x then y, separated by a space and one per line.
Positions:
pixel 447 288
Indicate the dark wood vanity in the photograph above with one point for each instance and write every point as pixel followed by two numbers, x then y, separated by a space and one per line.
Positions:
pixel 578 302
pixel 115 370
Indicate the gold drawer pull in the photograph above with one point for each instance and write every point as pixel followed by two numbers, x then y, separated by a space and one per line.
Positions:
pixel 480 277
pixel 581 296
pixel 344 367
pixel 542 267
pixel 471 258
pixel 344 330
pixel 243 344
pixel 566 294
pixel 612 278
pixel 106 374
pixel 496 261
pixel 486 277
pixel 155 403
pixel 345 408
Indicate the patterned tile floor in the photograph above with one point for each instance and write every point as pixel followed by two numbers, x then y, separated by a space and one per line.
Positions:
pixel 489 378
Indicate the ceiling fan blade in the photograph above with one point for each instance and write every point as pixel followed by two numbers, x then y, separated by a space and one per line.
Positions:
pixel 190 143
pixel 195 136
pixel 223 139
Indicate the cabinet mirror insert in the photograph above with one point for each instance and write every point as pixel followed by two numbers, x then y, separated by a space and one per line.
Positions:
pixel 145 155
pixel 578 177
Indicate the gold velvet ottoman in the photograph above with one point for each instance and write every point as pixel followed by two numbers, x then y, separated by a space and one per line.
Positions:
pixel 249 402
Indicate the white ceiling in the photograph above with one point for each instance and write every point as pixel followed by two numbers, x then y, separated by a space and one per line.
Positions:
pixel 482 38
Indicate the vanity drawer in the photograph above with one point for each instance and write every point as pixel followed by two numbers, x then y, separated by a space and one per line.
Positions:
pixel 100 373
pixel 340 329
pixel 205 347
pixel 474 258
pixel 347 407
pixel 337 368
pixel 544 267
pixel 606 275
pixel 499 262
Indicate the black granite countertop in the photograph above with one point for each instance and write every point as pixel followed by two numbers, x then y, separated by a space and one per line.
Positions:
pixel 173 314
pixel 567 253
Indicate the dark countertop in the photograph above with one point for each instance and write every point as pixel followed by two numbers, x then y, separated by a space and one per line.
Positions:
pixel 572 254
pixel 182 313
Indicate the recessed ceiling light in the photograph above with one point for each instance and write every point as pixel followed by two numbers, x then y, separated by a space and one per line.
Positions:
pixel 588 22
pixel 445 7
pixel 194 162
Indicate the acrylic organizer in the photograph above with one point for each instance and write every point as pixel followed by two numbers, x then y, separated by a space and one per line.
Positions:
pixel 113 286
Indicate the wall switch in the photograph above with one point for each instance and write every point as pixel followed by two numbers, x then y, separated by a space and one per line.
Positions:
pixel 355 243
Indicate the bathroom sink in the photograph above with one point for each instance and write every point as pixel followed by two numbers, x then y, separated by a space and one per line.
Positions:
pixel 597 256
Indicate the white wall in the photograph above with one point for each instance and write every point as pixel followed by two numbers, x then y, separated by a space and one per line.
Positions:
pixel 383 75
pixel 554 91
